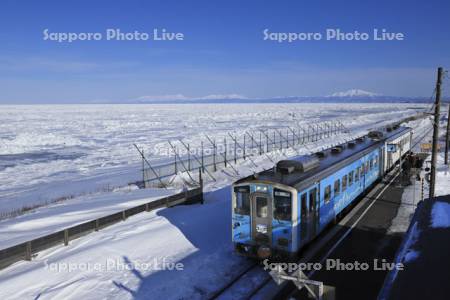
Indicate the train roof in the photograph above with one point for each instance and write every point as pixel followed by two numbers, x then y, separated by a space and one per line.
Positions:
pixel 303 170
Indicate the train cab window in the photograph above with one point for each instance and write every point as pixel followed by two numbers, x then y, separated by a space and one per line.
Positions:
pixel 242 200
pixel 375 161
pixel 304 205
pixel 337 187
pixel 344 183
pixel 350 178
pixel 312 199
pixel 327 194
pixel 282 204
pixel 261 207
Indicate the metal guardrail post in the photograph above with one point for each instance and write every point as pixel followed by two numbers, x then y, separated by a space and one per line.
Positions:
pixel 66 237
pixel 28 251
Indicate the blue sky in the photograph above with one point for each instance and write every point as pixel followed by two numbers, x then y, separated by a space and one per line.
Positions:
pixel 223 51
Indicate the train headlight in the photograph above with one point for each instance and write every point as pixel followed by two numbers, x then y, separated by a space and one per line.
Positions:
pixel 261 188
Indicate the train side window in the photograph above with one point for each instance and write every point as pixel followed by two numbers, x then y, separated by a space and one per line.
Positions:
pixel 350 178
pixel 304 206
pixel 344 183
pixel 371 164
pixel 327 195
pixel 261 207
pixel 283 205
pixel 312 199
pixel 361 168
pixel 242 201
pixel 357 174
pixel 367 167
pixel 337 187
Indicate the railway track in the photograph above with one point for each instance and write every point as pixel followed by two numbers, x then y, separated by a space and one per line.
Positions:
pixel 236 287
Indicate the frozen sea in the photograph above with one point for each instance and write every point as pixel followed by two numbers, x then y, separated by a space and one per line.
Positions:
pixel 53 151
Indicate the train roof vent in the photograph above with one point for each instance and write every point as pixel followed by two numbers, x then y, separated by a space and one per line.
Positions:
pixel 300 164
pixel 351 144
pixel 321 154
pixel 336 150
pixel 360 139
pixel 375 135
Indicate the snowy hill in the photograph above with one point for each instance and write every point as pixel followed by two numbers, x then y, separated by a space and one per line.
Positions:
pixel 355 93
pixel 349 96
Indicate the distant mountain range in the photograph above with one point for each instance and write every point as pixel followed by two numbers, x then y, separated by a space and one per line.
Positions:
pixel 350 96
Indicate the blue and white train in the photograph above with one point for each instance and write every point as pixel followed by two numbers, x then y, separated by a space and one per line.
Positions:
pixel 278 211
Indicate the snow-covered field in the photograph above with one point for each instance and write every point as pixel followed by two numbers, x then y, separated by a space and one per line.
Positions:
pixel 197 236
pixel 49 152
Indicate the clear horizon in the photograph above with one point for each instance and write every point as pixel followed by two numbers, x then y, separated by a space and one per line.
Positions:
pixel 222 49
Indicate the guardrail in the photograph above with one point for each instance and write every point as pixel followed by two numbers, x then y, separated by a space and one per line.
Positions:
pixel 26 250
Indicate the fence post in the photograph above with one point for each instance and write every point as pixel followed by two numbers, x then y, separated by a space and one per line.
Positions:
pixel 422 194
pixel 267 141
pixel 66 237
pixel 281 140
pixel 28 251
pixel 260 143
pixel 124 216
pixel 235 149
pixel 274 142
pixel 244 146
pixel 203 162
pixel 143 168
pixel 189 156
pixel 214 155
pixel 287 138
pixel 225 151
pixel 97 225
pixel 307 137
pixel 200 180
pixel 176 169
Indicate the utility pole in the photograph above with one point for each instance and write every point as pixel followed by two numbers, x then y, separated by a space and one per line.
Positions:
pixel 435 133
pixel 447 136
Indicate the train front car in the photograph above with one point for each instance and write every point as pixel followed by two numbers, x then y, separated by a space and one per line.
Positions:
pixel 262 219
pixel 278 211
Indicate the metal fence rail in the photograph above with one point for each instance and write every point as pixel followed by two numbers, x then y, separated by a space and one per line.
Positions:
pixel 213 155
pixel 26 250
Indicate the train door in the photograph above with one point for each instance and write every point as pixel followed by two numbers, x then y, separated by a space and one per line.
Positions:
pixel 304 217
pixel 313 212
pixel 262 218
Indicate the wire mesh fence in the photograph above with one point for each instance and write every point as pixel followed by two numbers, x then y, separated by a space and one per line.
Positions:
pixel 214 154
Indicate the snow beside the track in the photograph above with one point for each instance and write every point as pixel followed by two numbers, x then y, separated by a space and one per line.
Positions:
pixel 197 236
pixel 47 220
